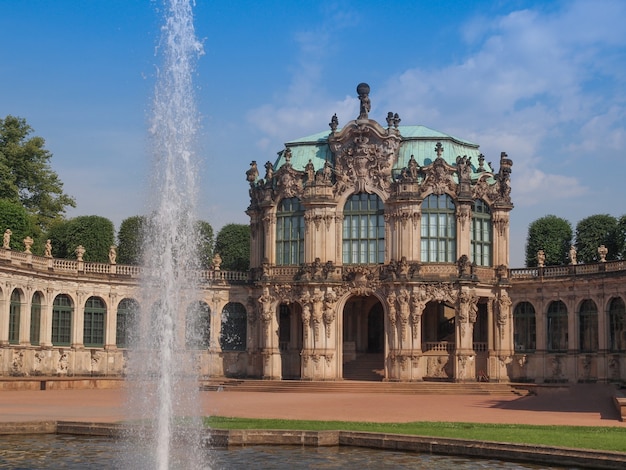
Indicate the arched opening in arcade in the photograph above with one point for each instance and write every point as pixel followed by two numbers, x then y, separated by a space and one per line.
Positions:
pixel 363 339
pixel 439 340
pixel 290 340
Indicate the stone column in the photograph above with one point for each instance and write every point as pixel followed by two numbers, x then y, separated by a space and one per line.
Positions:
pixel 465 357
pixel 307 334
pixel 110 328
pixel 45 332
pixel 5 305
pixel 24 336
pixel 78 321
pixel 272 365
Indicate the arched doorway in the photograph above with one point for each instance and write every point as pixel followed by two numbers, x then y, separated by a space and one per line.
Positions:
pixel 363 339
pixel 290 340
pixel 438 340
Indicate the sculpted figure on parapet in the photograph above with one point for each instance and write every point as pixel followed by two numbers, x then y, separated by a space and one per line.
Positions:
pixel 6 240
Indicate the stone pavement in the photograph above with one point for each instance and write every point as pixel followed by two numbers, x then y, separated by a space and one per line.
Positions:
pixel 581 405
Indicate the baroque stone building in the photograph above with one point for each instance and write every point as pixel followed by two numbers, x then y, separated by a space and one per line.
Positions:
pixel 379 252
pixel 382 241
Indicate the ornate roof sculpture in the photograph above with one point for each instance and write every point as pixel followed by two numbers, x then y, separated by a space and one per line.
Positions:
pixel 364 156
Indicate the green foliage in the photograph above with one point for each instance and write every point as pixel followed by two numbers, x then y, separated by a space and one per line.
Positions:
pixel 26 176
pixel 596 230
pixel 205 243
pixel 233 245
pixel 133 234
pixel 13 216
pixel 130 240
pixel 621 236
pixel 93 232
pixel 551 234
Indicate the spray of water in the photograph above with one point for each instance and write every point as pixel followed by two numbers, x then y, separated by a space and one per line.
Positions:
pixel 162 374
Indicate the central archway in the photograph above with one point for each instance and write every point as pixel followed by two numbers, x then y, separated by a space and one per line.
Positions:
pixel 363 339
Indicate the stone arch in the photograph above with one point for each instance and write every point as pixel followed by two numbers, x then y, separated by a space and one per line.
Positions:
pixel 616 323
pixel 557 326
pixel 94 321
pixel 290 339
pixel 198 325
pixel 16 314
pixel 63 310
pixel 127 322
pixel 587 323
pixel 524 326
pixel 233 336
pixel 363 337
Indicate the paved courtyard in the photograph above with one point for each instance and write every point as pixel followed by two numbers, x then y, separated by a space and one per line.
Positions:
pixel 584 405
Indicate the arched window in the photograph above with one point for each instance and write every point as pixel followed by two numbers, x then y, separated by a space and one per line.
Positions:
pixel 35 319
pixel 127 323
pixel 557 326
pixel 482 236
pixel 438 229
pixel 588 326
pixel 14 317
pixel 290 232
pixel 617 325
pixel 94 318
pixel 234 335
pixel 198 326
pixel 364 230
pixel 62 310
pixel 284 327
pixel 524 327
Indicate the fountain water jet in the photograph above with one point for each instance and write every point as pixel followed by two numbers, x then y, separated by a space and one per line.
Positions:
pixel 161 373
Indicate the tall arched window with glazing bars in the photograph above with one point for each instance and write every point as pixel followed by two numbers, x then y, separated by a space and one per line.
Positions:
pixel 524 327
pixel 364 230
pixel 290 232
pixel 438 243
pixel 94 318
pixel 557 326
pixel 588 326
pixel 14 317
pixel 617 325
pixel 482 236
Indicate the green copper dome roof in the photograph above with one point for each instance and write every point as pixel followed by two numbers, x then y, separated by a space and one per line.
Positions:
pixel 418 140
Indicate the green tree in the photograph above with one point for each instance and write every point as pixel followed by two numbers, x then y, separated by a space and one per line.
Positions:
pixel 233 245
pixel 205 243
pixel 26 176
pixel 94 233
pixel 621 237
pixel 551 234
pixel 14 217
pixel 130 239
pixel 596 230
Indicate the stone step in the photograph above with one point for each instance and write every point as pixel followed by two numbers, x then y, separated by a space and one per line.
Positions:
pixel 353 386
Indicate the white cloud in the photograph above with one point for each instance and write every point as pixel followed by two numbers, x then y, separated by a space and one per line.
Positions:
pixel 534 83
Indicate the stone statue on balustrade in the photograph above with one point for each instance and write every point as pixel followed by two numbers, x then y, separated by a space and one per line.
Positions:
pixel 6 241
pixel 541 258
pixel 217 261
pixel 112 254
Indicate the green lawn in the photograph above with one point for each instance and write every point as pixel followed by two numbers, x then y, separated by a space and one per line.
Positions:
pixel 581 437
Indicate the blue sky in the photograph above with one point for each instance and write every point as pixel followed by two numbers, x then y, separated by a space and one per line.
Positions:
pixel 543 81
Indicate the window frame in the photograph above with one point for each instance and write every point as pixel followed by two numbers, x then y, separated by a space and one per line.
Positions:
pixel 363 231
pixel 482 246
pixel 438 243
pixel 290 232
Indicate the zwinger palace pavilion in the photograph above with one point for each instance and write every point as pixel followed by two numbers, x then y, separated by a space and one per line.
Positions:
pixel 379 252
